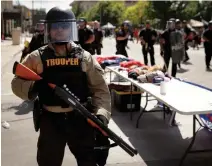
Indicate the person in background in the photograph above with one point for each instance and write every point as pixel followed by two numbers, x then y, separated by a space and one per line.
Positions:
pixel 97 43
pixel 172 47
pixel 148 37
pixel 85 35
pixel 122 36
pixel 36 42
pixel 188 38
pixel 207 37
pixel 178 27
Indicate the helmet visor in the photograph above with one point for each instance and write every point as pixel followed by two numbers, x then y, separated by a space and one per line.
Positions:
pixel 170 25
pixel 60 32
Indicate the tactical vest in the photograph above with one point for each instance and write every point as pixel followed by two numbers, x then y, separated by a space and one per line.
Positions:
pixel 62 70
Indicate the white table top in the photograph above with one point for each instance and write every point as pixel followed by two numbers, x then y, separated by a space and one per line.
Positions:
pixel 182 97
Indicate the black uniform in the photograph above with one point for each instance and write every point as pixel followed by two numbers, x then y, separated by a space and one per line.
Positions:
pixel 208 47
pixel 167 51
pixel 97 45
pixel 187 31
pixel 84 35
pixel 121 44
pixel 147 35
pixel 36 42
pixel 59 123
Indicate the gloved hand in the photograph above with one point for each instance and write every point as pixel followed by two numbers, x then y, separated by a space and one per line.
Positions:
pixel 34 89
pixel 40 84
pixel 103 119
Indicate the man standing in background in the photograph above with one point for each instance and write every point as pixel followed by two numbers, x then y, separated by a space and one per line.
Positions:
pixel 148 37
pixel 85 35
pixel 207 35
pixel 187 32
pixel 122 36
pixel 97 44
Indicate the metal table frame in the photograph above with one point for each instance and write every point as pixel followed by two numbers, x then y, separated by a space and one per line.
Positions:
pixel 171 121
pixel 189 148
pixel 164 110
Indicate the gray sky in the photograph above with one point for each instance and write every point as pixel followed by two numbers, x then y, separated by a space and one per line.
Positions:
pixel 47 4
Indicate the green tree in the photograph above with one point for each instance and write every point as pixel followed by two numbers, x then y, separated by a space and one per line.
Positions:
pixel 205 10
pixel 105 11
pixel 76 9
pixel 164 10
pixel 136 13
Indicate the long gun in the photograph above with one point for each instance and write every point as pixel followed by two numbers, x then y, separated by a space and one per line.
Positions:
pixel 23 72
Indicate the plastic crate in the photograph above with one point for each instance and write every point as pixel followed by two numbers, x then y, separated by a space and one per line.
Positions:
pixel 121 100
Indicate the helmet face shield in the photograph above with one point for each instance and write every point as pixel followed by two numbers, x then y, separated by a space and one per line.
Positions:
pixel 40 28
pixel 170 25
pixel 60 32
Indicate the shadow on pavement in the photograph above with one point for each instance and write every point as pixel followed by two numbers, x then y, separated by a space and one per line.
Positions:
pixel 24 108
pixel 158 144
pixel 187 63
pixel 181 70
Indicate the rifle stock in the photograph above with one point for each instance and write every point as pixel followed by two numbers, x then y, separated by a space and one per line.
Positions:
pixel 64 93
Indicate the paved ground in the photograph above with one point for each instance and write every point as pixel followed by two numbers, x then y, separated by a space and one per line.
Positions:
pixel 157 143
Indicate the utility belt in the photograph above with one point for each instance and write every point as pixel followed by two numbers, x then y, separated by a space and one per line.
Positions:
pixel 40 109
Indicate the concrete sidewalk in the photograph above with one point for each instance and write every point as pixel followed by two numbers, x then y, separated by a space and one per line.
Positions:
pixel 9 51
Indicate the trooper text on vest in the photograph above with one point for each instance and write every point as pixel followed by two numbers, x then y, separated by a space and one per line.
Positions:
pixel 63 61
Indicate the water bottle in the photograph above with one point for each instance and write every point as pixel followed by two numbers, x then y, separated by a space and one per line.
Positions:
pixel 163 87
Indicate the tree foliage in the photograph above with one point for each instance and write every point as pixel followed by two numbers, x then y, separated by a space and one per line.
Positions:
pixel 158 12
pixel 136 13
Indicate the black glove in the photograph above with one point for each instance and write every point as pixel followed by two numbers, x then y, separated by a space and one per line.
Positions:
pixel 103 119
pixel 39 84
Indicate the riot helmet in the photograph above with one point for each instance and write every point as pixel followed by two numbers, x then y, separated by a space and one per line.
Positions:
pixel 172 19
pixel 60 26
pixel 170 25
pixel 40 28
pixel 178 24
pixel 210 24
pixel 127 25
pixel 82 22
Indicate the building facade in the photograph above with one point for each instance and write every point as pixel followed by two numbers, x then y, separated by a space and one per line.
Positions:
pixel 10 18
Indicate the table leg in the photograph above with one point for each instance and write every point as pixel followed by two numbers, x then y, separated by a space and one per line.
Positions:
pixel 172 119
pixel 192 142
pixel 164 111
pixel 142 111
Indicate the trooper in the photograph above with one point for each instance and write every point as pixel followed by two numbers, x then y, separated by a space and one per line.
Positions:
pixel 97 44
pixel 188 38
pixel 178 27
pixel 122 36
pixel 36 42
pixel 173 46
pixel 148 37
pixel 207 35
pixel 86 36
pixel 63 62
